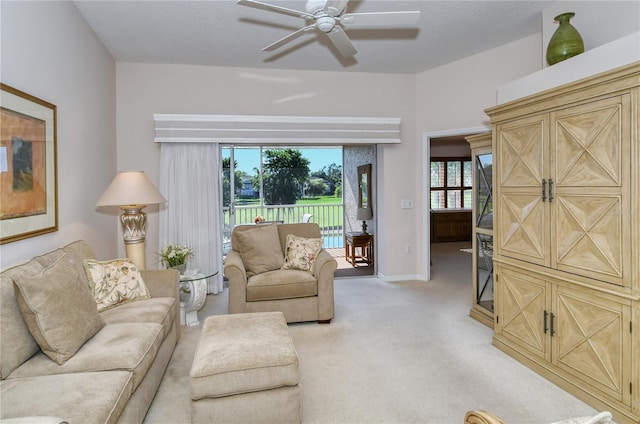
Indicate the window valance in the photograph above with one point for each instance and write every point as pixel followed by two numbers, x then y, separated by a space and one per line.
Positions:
pixel 253 129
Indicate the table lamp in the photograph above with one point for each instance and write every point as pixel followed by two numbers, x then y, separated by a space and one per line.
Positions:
pixel 131 192
pixel 364 214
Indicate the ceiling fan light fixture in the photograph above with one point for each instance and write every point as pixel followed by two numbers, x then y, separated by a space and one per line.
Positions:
pixel 325 23
pixel 324 15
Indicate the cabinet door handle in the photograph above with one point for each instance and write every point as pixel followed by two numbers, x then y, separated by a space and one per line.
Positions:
pixel 544 189
pixel 550 190
pixel 552 330
pixel 546 314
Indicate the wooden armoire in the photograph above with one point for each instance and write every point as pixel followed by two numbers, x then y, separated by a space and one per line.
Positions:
pixel 567 236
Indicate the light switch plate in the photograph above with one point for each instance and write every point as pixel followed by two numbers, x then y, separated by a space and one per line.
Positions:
pixel 406 204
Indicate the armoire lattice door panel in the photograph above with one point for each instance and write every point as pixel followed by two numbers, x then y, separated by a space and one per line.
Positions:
pixel 524 227
pixel 589 341
pixel 588 148
pixel 522 153
pixel 589 236
pixel 521 311
pixel 591 150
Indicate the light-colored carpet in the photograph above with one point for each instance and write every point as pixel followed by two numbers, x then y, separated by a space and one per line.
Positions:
pixel 396 353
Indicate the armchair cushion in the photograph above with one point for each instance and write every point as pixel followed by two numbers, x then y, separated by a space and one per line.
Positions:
pixel 281 284
pixel 301 253
pixel 259 247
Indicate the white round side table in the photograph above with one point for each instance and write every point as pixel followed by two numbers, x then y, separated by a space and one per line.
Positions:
pixel 193 294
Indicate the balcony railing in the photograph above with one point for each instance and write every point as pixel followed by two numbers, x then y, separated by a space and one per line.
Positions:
pixel 328 217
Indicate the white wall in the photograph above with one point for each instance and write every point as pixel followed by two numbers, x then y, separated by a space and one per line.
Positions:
pixel 145 89
pixel 49 51
pixel 450 97
pixel 454 96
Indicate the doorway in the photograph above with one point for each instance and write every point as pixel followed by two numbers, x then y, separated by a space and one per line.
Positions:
pixel 449 143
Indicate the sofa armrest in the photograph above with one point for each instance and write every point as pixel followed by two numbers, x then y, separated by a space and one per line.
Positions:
pixel 323 270
pixel 236 273
pixel 162 282
pixel 325 264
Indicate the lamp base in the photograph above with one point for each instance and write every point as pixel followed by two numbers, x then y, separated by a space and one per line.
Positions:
pixel 136 253
pixel 134 223
pixel 364 227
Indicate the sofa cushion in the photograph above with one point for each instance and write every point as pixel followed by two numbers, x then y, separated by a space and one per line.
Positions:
pixel 259 247
pixel 101 395
pixel 58 309
pixel 281 284
pixel 49 258
pixel 114 282
pixel 127 346
pixel 16 342
pixel 76 252
pixel 301 253
pixel 161 310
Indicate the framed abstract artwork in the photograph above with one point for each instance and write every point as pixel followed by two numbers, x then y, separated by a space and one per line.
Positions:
pixel 28 174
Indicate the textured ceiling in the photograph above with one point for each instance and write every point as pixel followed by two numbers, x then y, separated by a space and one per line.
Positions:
pixel 223 33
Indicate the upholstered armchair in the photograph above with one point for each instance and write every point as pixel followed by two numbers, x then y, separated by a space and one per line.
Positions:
pixel 281 267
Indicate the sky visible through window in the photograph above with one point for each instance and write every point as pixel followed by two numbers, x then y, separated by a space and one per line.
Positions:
pixel 248 158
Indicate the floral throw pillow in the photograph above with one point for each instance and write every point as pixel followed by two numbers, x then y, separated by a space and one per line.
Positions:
pixel 301 253
pixel 115 282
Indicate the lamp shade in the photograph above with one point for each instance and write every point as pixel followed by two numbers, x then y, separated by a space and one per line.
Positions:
pixel 130 189
pixel 364 214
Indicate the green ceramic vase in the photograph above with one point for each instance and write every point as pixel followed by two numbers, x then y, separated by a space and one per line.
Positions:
pixel 566 42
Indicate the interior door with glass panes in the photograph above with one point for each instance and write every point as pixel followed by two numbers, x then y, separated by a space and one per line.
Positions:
pixel 484 230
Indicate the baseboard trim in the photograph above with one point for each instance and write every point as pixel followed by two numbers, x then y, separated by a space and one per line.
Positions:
pixel 396 278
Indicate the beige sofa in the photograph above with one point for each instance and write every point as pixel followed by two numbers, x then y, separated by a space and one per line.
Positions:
pixel 114 375
pixel 257 282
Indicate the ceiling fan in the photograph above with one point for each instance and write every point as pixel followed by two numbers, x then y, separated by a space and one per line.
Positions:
pixel 329 17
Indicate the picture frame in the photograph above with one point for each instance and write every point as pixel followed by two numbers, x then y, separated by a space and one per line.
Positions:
pixel 28 166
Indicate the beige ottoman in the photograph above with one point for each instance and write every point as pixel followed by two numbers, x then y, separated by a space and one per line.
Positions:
pixel 245 370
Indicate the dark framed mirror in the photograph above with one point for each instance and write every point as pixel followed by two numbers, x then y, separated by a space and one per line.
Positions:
pixel 364 186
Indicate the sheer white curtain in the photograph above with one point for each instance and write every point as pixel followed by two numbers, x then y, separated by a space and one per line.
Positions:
pixel 189 175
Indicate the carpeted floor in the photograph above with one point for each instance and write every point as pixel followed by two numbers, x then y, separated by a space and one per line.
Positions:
pixel 395 353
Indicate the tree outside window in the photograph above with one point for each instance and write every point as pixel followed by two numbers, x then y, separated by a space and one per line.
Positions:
pixel 284 174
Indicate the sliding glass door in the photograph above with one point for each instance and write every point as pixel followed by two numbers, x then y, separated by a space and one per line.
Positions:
pixel 283 184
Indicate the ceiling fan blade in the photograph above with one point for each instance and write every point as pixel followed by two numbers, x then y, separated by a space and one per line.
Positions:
pixel 342 42
pixel 281 42
pixel 335 7
pixel 380 19
pixel 274 8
